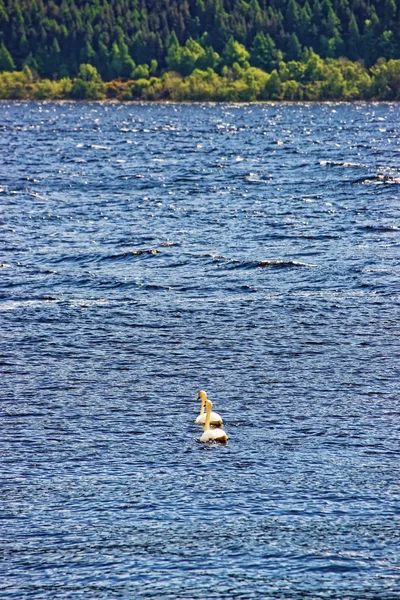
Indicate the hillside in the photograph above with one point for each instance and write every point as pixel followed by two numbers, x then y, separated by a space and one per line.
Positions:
pixel 133 38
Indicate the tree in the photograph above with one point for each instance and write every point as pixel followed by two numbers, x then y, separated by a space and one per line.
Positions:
pixel 292 16
pixel 332 22
pixel 89 73
pixel 390 10
pixel 102 61
pixel 208 60
pixel 386 44
pixel 353 43
pixel 293 48
pixel 6 60
pixel 121 63
pixel 88 84
pixel 234 52
pixel 52 64
pixel 371 33
pixel 314 69
pixel 273 87
pixel 128 65
pixel 183 59
pixel 304 24
pixel 264 53
pixel 115 61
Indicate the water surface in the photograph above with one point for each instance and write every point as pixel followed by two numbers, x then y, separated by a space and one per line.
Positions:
pixel 151 250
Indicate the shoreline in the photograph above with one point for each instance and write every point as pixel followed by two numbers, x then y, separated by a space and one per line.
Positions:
pixel 318 80
pixel 196 102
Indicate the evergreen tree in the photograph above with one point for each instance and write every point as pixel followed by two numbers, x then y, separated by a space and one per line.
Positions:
pixel 294 50
pixel 304 24
pixel 353 39
pixel 6 60
pixel 127 64
pixel 264 53
pixel 386 44
pixel 332 23
pixel 292 16
pixel 235 53
pixel 273 87
pixel 390 10
pixel 115 61
pixel 371 34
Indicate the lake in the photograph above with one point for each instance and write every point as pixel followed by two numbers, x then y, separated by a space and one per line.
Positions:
pixel 152 250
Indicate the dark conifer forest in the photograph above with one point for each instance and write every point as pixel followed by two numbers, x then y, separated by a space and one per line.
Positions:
pixel 261 49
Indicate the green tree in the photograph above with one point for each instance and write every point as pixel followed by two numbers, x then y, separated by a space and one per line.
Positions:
pixel 3 16
pixel 115 61
pixel 6 60
pixel 292 16
pixel 264 53
pixel 234 52
pixel 52 64
pixel 88 84
pixel 273 87
pixel 369 40
pixel 294 50
pixel 390 10
pixel 304 24
pixel 314 69
pixel 183 59
pixel 102 61
pixel 387 44
pixel 333 85
pixel 141 72
pixel 128 65
pixel 332 22
pixel 208 60
pixel 353 43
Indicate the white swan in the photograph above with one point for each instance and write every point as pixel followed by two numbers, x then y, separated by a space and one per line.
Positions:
pixel 215 418
pixel 212 435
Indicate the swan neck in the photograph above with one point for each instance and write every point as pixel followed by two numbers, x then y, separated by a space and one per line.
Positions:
pixel 208 416
pixel 203 401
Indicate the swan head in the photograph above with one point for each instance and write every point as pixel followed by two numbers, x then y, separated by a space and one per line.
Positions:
pixel 202 395
pixel 208 404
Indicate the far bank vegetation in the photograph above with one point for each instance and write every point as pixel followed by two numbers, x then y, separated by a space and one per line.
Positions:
pixel 315 79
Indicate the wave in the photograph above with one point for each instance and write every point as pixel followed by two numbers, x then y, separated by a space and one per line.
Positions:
pixel 340 163
pixel 97 257
pixel 378 179
pixel 271 263
pixel 379 228
pixel 130 253
pixel 283 263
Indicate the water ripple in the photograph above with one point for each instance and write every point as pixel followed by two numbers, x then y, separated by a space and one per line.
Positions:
pixel 152 250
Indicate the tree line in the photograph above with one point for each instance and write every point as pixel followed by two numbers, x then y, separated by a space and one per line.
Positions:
pixel 53 38
pixel 228 50
pixel 312 80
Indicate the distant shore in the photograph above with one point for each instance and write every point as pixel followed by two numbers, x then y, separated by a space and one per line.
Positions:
pixel 316 80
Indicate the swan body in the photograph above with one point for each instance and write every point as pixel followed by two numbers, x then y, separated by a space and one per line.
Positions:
pixel 215 418
pixel 212 435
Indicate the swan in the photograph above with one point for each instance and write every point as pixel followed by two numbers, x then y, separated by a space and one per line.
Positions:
pixel 215 418
pixel 212 435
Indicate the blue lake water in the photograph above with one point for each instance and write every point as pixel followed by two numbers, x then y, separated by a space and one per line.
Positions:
pixel 149 251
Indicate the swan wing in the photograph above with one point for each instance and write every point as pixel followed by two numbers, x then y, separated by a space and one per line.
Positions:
pixel 214 435
pixel 219 435
pixel 216 419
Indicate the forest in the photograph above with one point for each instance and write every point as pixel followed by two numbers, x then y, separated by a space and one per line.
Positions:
pixel 223 50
